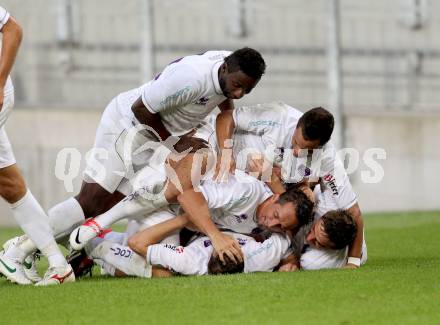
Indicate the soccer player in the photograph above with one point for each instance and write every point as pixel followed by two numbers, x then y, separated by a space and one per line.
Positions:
pixel 290 139
pixel 240 208
pixel 26 210
pixel 169 106
pixel 249 203
pixel 323 244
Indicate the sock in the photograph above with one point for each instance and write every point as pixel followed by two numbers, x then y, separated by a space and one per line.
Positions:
pixel 63 218
pixel 54 256
pixel 133 206
pixel 122 258
pixel 34 222
pixel 112 236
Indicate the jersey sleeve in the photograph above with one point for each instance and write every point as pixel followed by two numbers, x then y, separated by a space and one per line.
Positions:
pixel 4 17
pixel 182 260
pixel 265 256
pixel 336 181
pixel 176 86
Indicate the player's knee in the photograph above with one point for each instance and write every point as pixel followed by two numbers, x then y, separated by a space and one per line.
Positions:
pixel 12 189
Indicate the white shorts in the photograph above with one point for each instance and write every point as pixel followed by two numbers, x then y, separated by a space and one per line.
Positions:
pixel 6 154
pixel 190 260
pixel 317 259
pixel 114 160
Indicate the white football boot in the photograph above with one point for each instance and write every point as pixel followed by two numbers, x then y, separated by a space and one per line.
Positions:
pixel 57 275
pixel 13 270
pixel 29 264
pixel 84 233
pixel 30 268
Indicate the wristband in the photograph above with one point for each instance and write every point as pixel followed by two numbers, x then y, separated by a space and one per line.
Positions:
pixel 354 260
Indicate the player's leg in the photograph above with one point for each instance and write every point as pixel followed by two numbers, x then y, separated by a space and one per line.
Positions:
pixel 33 220
pixel 101 178
pixel 155 190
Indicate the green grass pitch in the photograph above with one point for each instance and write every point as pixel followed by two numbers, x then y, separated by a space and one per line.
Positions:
pixel 399 285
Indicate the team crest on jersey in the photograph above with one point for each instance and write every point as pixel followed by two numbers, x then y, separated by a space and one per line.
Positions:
pixel 202 101
pixel 304 170
pixel 207 243
pixel 241 218
pixel 241 241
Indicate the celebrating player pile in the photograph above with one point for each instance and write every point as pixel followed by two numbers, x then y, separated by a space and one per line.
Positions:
pixel 250 189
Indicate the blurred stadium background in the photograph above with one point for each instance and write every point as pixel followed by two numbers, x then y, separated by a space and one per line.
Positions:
pixel 384 77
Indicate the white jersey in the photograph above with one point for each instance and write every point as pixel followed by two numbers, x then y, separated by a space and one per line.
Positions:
pixel 4 17
pixel 183 94
pixel 233 204
pixel 193 259
pixel 268 129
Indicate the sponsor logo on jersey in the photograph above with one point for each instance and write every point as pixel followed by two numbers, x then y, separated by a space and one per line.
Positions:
pixel 235 201
pixel 177 249
pixel 264 123
pixel 330 180
pixel 261 249
pixel 176 95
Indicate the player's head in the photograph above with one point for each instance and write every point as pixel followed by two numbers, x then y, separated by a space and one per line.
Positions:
pixel 336 229
pixel 313 130
pixel 285 212
pixel 215 265
pixel 241 72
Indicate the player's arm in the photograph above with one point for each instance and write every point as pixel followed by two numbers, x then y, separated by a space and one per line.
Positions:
pixel 144 116
pixel 196 206
pixel 289 264
pixel 355 250
pixel 12 36
pixel 140 241
pixel 224 129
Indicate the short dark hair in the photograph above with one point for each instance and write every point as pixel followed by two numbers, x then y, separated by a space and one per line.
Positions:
pixel 247 60
pixel 317 124
pixel 215 265
pixel 303 205
pixel 340 228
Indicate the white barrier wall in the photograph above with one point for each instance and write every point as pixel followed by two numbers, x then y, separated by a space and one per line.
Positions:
pixel 410 169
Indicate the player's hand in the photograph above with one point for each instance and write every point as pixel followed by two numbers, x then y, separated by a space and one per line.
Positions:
pixel 350 266
pixel 289 267
pixel 187 142
pixel 225 166
pixel 227 245
pixel 260 168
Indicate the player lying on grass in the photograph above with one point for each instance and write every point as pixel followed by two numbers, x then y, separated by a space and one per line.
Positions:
pixel 299 143
pixel 242 204
pixel 146 256
pixel 171 106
